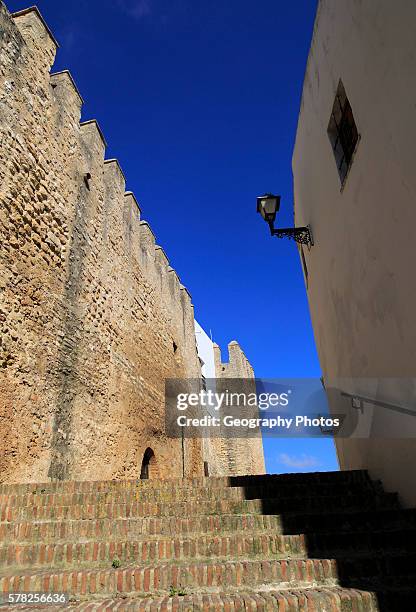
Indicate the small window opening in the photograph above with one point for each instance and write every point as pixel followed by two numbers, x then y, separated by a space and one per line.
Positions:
pixel 148 460
pixel 206 469
pixel 175 346
pixel 87 178
pixel 342 132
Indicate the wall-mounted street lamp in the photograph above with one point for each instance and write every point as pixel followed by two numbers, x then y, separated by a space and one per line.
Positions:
pixel 268 206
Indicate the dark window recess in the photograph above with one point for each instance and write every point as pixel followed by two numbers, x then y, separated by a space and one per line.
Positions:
pixel 147 459
pixel 87 178
pixel 206 468
pixel 175 346
pixel 342 132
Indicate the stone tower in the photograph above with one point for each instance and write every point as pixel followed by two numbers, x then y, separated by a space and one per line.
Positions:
pixel 243 455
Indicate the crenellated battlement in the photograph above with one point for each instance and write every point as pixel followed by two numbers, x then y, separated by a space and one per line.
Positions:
pixel 67 97
pixel 237 366
pixel 95 317
pixel 31 18
pixel 131 198
pixel 162 258
pixel 114 171
pixel 92 126
pixel 64 78
pixel 36 35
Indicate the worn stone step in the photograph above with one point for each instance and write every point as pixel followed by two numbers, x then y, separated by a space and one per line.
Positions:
pixel 191 508
pixel 285 490
pixel 324 599
pixel 103 553
pixel 158 579
pixel 71 486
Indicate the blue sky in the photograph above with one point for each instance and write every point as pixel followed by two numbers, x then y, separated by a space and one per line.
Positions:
pixel 199 102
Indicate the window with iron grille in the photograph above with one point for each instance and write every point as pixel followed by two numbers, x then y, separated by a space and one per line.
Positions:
pixel 342 132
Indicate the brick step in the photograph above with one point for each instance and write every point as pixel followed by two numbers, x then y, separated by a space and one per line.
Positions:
pixel 158 579
pixel 181 495
pixel 133 528
pixel 372 569
pixel 359 572
pixel 345 522
pixel 243 545
pixel 324 599
pixel 396 600
pixel 72 486
pixel 192 508
pixel 335 543
pixel 102 553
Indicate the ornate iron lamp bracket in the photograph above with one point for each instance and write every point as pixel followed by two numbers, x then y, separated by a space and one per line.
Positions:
pixel 302 235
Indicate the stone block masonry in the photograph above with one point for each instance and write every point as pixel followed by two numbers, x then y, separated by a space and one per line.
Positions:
pixel 92 317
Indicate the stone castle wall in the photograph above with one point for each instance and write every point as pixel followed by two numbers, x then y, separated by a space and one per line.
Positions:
pixel 93 319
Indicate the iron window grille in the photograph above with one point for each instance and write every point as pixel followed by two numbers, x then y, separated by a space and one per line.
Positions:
pixel 342 132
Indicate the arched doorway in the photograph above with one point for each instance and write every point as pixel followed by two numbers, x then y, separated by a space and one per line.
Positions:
pixel 148 469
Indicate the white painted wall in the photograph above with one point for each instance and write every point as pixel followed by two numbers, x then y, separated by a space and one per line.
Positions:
pixel 361 280
pixel 205 349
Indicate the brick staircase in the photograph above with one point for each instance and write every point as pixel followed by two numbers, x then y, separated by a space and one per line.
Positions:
pixel 315 542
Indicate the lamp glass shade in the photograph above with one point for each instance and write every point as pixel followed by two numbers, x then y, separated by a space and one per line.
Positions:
pixel 267 206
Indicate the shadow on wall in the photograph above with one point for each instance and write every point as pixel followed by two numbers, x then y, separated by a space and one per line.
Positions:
pixel 348 519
